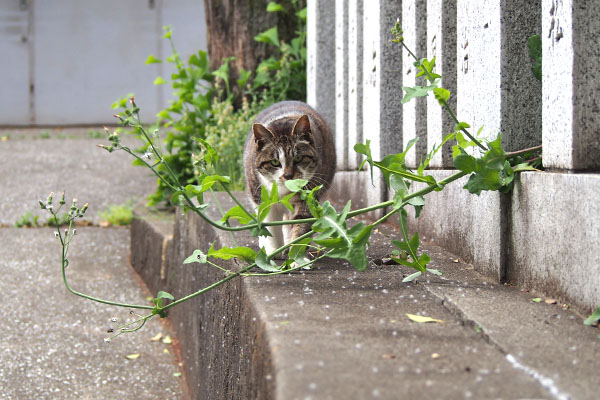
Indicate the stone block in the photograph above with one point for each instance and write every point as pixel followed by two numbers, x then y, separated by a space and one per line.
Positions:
pixel 495 86
pixel 571 110
pixel 414 112
pixel 382 85
pixel 465 224
pixel 555 236
pixel 341 83
pixel 320 51
pixel 441 44
pixel 355 80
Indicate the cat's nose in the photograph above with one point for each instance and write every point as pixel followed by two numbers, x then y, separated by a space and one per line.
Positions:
pixel 288 174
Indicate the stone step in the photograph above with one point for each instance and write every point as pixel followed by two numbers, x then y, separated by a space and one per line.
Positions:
pixel 333 332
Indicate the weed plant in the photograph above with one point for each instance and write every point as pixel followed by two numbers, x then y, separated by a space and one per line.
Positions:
pixel 208 107
pixel 489 169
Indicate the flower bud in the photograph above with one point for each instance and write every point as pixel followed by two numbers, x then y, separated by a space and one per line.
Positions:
pixel 42 204
pixel 84 208
pixel 62 199
pixel 49 201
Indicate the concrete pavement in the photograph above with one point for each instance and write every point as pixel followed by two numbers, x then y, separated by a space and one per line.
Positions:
pixel 52 344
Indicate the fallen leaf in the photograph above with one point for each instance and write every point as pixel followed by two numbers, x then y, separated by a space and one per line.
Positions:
pixel 284 322
pixel 435 356
pixel 104 224
pixel 167 340
pixel 177 374
pixel 133 356
pixel 550 301
pixel 156 337
pixel 455 260
pixel 388 356
pixel 421 319
pixel 536 300
pixel 166 351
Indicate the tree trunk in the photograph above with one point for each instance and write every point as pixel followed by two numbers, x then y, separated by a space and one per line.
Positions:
pixel 232 24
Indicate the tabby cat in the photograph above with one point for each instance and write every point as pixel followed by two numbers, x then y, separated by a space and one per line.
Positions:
pixel 288 140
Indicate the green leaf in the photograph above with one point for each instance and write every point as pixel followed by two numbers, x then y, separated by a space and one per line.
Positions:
pixel 153 60
pixel 164 295
pixel 592 319
pixel 243 79
pixel 465 162
pixel 537 300
pixel 302 14
pixel 274 7
pixel 269 36
pixel 441 95
pixel 226 253
pixel 417 91
pixel 298 250
pixel 425 66
pixel 264 263
pixel 286 201
pixel 296 185
pixel 210 180
pixel 412 277
pixel 160 81
pixel 197 256
pixel 168 31
pixel 239 214
pixel 534 44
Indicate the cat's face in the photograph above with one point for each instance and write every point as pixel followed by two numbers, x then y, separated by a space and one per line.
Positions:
pixel 285 151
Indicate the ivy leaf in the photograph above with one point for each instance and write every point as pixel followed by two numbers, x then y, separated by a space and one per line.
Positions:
pixel 264 263
pixel 269 36
pixel 197 256
pixel 226 253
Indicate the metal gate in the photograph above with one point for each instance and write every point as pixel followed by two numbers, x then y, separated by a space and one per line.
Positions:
pixel 64 62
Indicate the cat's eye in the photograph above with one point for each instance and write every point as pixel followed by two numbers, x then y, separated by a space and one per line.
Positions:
pixel 275 163
pixel 298 158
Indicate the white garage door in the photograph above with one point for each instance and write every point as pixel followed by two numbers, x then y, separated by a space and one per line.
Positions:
pixel 65 61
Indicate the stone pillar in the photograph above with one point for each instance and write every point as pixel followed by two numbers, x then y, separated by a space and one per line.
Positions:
pixel 496 88
pixel 382 84
pixel 414 17
pixel 571 83
pixel 341 83
pixel 355 80
pixel 320 51
pixel 441 44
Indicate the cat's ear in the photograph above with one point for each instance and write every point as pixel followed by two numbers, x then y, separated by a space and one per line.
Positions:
pixel 301 129
pixel 262 134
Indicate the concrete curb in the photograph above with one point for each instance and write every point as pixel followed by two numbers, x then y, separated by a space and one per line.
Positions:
pixel 335 333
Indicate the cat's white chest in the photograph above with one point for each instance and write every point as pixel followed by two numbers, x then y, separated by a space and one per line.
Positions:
pixel 280 234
